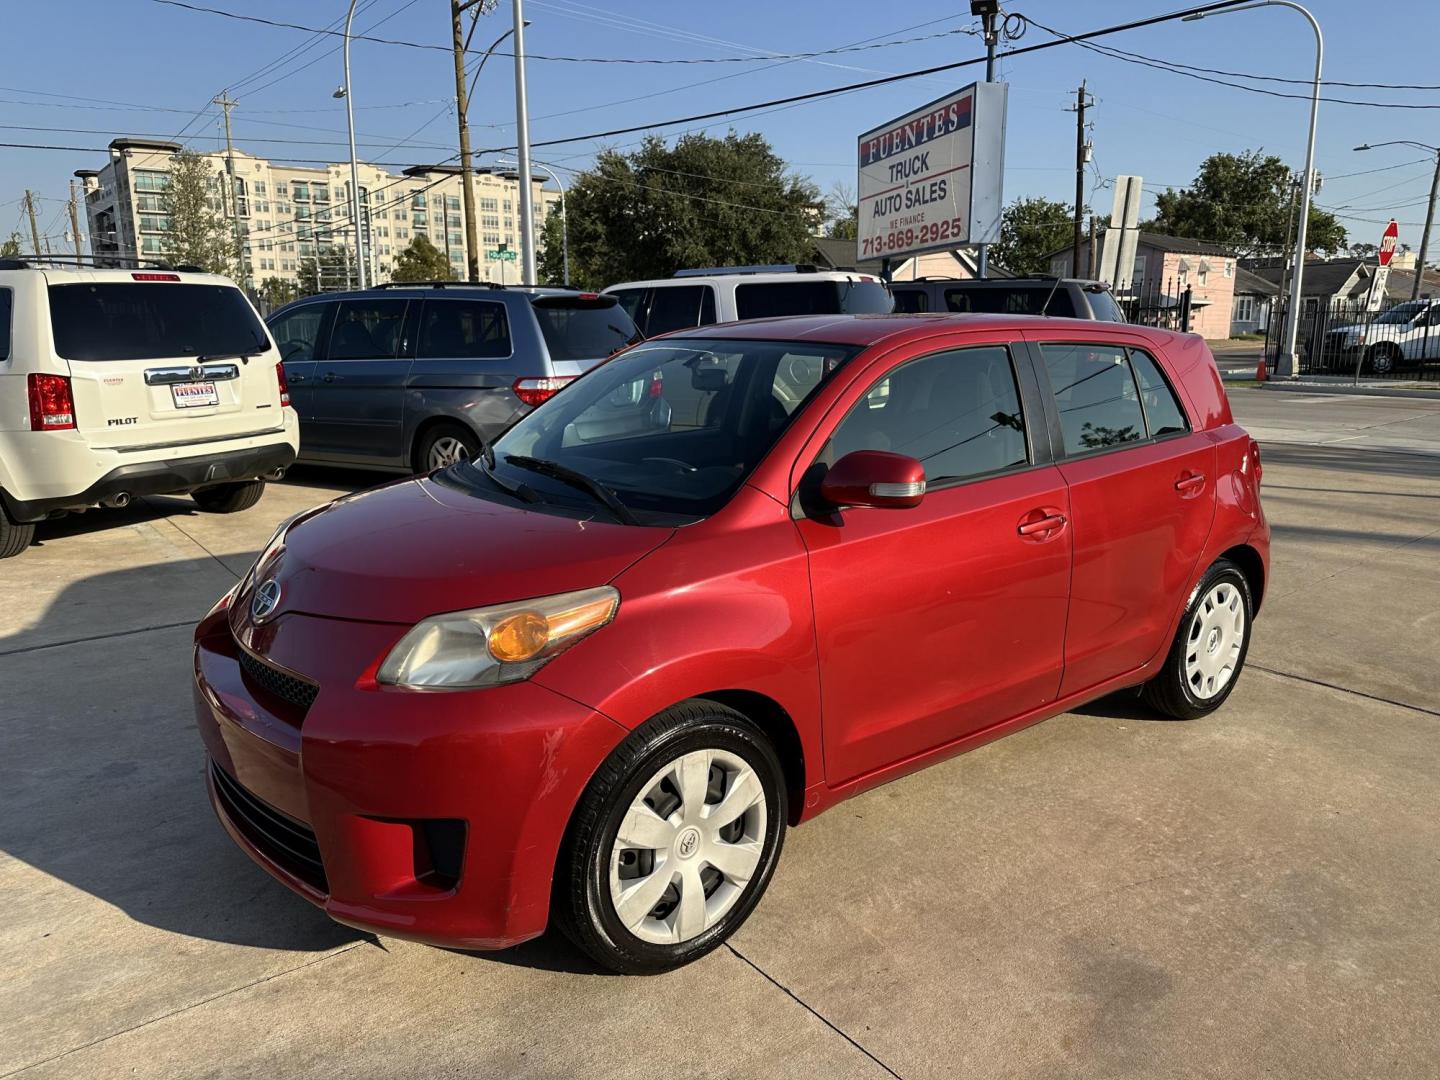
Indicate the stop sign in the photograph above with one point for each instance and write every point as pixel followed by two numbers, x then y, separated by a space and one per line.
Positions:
pixel 1387 243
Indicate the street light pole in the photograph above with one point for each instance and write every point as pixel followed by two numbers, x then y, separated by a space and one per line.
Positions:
pixel 522 141
pixel 564 219
pixel 1288 367
pixel 362 264
pixel 1429 212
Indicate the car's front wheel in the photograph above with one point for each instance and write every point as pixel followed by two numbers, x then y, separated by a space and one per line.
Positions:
pixel 674 841
pixel 1383 359
pixel 1209 650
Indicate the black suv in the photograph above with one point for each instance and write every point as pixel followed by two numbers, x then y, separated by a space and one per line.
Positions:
pixel 416 376
pixel 1071 298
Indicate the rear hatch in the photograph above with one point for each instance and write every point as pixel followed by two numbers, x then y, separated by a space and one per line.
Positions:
pixel 582 329
pixel 161 359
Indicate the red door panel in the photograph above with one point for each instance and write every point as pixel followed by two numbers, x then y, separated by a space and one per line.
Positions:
pixel 938 621
pixel 1139 519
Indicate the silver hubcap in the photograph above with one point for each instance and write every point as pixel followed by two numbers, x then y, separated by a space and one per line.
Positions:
pixel 1212 647
pixel 447 450
pixel 688 846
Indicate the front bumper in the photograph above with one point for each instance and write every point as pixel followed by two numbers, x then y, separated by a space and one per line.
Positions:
pixel 434 816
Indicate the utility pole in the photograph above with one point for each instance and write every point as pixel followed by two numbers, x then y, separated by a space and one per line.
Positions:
pixel 522 146
pixel 988 10
pixel 34 228
pixel 1425 236
pixel 1081 103
pixel 462 110
pixel 75 226
pixel 232 202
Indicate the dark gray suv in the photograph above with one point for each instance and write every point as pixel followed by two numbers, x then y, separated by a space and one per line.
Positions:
pixel 1066 298
pixel 413 377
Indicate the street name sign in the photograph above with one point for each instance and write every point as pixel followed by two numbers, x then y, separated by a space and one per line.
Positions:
pixel 503 256
pixel 931 180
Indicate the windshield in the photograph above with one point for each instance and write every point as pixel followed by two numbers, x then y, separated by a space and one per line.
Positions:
pixel 127 320
pixel 673 427
pixel 1402 313
pixel 584 329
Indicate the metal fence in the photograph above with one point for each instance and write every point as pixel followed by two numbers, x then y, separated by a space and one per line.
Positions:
pixel 1400 340
pixel 1165 305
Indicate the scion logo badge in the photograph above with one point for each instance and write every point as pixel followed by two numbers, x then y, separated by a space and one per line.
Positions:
pixel 265 600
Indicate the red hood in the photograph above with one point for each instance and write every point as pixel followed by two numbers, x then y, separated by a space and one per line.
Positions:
pixel 416 548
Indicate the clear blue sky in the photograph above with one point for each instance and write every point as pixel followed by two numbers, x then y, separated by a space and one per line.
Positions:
pixel 114 54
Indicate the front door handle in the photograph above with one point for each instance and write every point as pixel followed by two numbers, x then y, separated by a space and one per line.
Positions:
pixel 1040 526
pixel 297 377
pixel 1190 484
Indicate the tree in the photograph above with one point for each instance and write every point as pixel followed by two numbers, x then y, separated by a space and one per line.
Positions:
pixel 422 261
pixel 11 246
pixel 195 234
pixel 1243 201
pixel 276 292
pixel 1030 231
pixel 843 211
pixel 327 271
pixel 1363 251
pixel 701 202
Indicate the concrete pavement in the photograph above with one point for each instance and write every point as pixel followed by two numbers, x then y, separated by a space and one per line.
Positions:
pixel 1103 895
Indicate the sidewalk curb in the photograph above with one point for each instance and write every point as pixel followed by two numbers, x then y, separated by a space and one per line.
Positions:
pixel 1300 386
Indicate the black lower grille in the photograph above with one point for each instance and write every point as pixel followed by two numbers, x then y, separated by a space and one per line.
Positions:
pixel 272 680
pixel 288 842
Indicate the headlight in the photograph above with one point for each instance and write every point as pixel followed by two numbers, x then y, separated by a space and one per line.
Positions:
pixel 497 644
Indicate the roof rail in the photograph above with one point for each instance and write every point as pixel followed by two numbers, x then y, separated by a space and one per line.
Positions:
pixel 774 268
pixel 439 285
pixel 100 262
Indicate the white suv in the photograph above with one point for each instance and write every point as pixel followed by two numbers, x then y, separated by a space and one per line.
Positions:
pixel 118 383
pixel 727 293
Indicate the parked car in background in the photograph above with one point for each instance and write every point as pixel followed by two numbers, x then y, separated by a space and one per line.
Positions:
pixel 120 383
pixel 1405 336
pixel 412 377
pixel 728 293
pixel 597 676
pixel 1067 298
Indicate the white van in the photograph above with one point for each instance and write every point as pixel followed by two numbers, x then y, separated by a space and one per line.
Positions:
pixel 118 383
pixel 728 293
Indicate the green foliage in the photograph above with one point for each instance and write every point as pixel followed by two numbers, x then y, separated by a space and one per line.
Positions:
pixel 422 261
pixel 1243 201
pixel 702 202
pixel 1030 231
pixel 11 246
pixel 196 234
pixel 277 292
pixel 328 271
pixel 843 213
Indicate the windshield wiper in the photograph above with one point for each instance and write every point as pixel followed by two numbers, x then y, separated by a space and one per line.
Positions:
pixel 566 475
pixel 523 492
pixel 206 358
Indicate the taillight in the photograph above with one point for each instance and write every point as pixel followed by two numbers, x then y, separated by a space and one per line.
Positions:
pixel 284 385
pixel 657 384
pixel 1255 459
pixel 51 406
pixel 534 391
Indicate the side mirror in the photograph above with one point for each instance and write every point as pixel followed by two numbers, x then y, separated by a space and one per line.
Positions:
pixel 875 478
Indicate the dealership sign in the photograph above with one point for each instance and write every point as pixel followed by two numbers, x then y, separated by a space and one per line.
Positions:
pixel 930 180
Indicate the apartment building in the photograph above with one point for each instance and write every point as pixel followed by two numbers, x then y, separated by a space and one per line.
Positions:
pixel 290 213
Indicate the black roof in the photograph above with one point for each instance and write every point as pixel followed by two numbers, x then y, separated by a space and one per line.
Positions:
pixel 1322 277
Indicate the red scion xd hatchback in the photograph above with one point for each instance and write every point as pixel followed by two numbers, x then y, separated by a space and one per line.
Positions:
pixel 720 583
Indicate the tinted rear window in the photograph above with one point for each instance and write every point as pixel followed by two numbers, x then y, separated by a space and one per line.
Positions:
pixel 772 299
pixel 911 301
pixel 152 321
pixel 1104 306
pixel 1012 300
pixel 584 329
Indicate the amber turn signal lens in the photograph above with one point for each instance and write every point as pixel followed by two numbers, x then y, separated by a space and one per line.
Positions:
pixel 520 637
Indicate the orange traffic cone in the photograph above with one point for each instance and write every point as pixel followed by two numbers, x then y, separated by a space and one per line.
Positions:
pixel 1261 371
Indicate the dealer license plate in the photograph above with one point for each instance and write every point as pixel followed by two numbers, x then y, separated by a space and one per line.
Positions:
pixel 191 395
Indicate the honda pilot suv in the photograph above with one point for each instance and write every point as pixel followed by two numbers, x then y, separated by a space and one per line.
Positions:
pixel 116 383
pixel 413 377
pixel 593 675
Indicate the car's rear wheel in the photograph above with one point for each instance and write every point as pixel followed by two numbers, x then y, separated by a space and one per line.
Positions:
pixel 15 536
pixel 1382 359
pixel 444 445
pixel 1209 650
pixel 674 841
pixel 229 498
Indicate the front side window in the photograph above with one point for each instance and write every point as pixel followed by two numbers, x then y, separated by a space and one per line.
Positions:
pixel 958 413
pixel 1096 394
pixel 295 332
pixel 672 427
pixel 464 329
pixel 367 330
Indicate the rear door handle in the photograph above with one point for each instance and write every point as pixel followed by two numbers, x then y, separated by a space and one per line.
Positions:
pixel 1190 484
pixel 1042 525
pixel 330 376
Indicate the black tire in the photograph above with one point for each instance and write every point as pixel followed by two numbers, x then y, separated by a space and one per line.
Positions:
pixel 1382 359
pixel 457 433
pixel 584 908
pixel 229 498
pixel 1170 692
pixel 15 536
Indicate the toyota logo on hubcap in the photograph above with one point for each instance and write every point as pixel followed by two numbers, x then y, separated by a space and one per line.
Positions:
pixel 688 842
pixel 265 600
